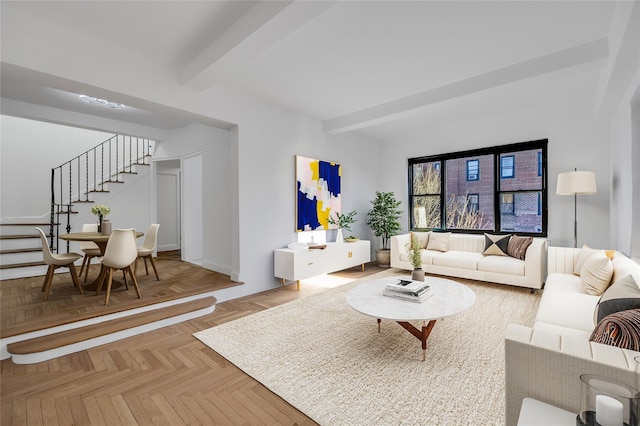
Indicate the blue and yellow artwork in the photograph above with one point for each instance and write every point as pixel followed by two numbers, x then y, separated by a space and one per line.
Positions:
pixel 319 193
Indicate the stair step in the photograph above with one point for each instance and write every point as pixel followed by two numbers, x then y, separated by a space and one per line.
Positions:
pixel 34 224
pixel 21 265
pixel 39 347
pixel 21 250
pixel 19 237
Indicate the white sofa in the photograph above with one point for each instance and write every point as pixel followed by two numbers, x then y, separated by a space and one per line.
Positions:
pixel 464 259
pixel 545 361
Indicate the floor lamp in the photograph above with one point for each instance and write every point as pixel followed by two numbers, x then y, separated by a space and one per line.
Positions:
pixel 576 183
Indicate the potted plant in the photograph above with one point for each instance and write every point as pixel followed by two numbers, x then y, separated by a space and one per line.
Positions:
pixel 344 221
pixel 383 220
pixel 101 211
pixel 415 257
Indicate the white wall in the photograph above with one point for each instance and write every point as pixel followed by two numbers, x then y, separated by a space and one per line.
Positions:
pixel 575 140
pixel 28 151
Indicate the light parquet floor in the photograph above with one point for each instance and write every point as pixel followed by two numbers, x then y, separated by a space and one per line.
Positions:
pixel 164 377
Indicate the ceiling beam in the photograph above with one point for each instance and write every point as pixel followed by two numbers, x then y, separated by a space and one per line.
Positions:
pixel 570 57
pixel 262 26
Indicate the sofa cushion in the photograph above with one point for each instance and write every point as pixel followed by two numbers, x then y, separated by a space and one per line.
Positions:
pixel 458 259
pixel 623 266
pixel 596 273
pixel 439 241
pixel 501 265
pixel 563 282
pixel 565 332
pixel 496 244
pixel 518 246
pixel 622 295
pixel 567 309
pixel 621 329
pixel 421 237
pixel 585 252
pixel 425 255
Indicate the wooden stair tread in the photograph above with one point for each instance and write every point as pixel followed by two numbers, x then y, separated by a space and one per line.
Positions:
pixel 21 265
pixel 19 237
pixel 22 250
pixel 68 337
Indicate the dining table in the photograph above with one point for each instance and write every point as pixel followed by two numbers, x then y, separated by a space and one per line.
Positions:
pixel 101 241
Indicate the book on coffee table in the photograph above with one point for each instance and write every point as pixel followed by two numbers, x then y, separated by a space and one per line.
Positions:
pixel 414 291
pixel 406 296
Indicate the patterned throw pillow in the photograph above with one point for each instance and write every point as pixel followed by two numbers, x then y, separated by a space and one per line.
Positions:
pixel 496 244
pixel 622 295
pixel 518 246
pixel 596 273
pixel 621 329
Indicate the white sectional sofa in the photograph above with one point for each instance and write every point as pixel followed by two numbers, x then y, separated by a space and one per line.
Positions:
pixel 545 361
pixel 463 258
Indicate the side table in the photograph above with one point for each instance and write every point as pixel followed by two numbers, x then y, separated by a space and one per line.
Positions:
pixel 537 413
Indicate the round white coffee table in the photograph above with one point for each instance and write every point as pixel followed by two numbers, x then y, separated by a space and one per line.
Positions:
pixel 449 298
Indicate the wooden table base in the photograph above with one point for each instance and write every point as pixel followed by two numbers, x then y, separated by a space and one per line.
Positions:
pixel 420 334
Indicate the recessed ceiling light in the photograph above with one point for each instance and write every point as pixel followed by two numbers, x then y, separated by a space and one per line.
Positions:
pixel 104 102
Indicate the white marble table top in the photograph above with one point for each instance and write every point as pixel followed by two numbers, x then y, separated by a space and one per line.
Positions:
pixel 449 298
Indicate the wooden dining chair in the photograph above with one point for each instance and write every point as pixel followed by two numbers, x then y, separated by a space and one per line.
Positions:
pixel 120 254
pixel 89 248
pixel 56 261
pixel 146 250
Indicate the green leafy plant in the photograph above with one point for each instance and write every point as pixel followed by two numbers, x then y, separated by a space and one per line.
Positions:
pixel 344 221
pixel 383 217
pixel 414 252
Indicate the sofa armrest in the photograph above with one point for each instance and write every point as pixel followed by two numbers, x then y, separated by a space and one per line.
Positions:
pixel 535 262
pixel 562 259
pixel 547 366
pixel 398 246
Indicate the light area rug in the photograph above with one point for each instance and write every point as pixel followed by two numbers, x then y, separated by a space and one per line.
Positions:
pixel 330 362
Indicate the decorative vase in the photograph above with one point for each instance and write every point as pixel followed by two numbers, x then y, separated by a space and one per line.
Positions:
pixel 99 223
pixel 339 238
pixel 417 274
pixel 105 229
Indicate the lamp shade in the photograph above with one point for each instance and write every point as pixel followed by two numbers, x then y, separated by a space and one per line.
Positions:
pixel 576 183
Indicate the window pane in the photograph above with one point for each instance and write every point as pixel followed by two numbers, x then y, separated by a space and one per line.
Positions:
pixel 459 213
pixel 426 212
pixel 527 177
pixel 507 167
pixel 426 178
pixel 521 212
pixel 473 170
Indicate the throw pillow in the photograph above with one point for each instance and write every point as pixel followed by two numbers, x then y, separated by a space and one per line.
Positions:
pixel 622 295
pixel 518 246
pixel 621 329
pixel 496 244
pixel 596 273
pixel 422 237
pixel 439 241
pixel 585 252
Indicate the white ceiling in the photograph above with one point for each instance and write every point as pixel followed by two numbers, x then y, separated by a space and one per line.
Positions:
pixel 380 67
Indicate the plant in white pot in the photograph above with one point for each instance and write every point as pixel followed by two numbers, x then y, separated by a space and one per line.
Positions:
pixel 415 257
pixel 344 221
pixel 383 220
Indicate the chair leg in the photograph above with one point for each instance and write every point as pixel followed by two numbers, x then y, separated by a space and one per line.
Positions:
pixel 154 267
pixel 146 268
pixel 135 282
pixel 84 260
pixel 109 279
pixel 48 280
pixel 86 272
pixel 74 277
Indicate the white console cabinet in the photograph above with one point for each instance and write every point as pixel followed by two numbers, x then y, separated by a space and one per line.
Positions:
pixel 298 264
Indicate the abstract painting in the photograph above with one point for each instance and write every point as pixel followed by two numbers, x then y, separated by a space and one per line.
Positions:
pixel 319 193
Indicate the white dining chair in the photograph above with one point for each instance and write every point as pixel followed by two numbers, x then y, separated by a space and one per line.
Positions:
pixel 56 261
pixel 148 247
pixel 89 248
pixel 120 254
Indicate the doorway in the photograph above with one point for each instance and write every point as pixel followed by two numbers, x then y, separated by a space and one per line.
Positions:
pixel 168 202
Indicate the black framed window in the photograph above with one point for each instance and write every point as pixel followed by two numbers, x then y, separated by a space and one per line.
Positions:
pixel 473 170
pixel 499 189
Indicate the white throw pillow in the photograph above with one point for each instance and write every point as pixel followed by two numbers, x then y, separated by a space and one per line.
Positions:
pixel 422 237
pixel 596 273
pixel 439 241
pixel 584 255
